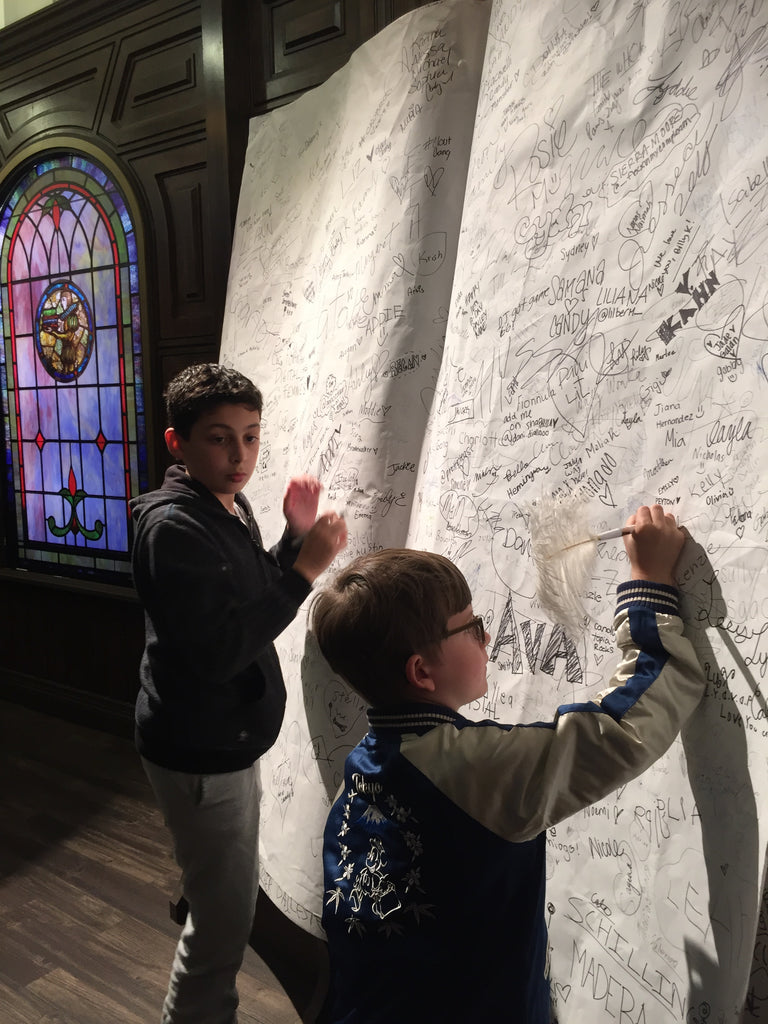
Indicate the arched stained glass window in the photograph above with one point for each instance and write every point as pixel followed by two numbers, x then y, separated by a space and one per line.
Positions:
pixel 71 368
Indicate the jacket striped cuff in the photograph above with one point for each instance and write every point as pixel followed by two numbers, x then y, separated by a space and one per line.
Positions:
pixel 657 597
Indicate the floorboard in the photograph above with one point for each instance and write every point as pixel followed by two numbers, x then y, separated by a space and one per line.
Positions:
pixel 85 877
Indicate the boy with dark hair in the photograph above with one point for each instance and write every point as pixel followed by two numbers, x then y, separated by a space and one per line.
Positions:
pixel 434 851
pixel 212 695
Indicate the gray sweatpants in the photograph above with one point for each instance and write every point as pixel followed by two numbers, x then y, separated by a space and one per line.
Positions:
pixel 214 821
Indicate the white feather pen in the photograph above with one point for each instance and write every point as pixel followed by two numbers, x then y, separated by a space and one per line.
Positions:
pixel 563 548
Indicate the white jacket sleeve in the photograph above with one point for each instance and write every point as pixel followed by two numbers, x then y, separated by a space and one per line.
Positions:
pixel 519 780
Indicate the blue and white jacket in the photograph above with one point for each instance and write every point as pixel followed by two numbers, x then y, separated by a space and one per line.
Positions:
pixel 434 851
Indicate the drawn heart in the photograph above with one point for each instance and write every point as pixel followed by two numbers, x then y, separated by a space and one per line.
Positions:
pixel 740 532
pixel 562 991
pixel 432 178
pixel 570 305
pixel 398 185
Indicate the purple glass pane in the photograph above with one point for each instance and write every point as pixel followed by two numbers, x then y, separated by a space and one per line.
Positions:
pixel 80 252
pixel 26 356
pixel 103 255
pixel 46 400
pixel 23 249
pixel 33 471
pixel 30 419
pixel 22 307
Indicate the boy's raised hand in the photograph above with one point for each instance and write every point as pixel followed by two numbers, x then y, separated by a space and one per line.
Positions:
pixel 300 504
pixel 655 545
pixel 324 541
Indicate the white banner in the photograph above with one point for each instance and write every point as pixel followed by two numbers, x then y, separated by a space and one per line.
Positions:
pixel 603 335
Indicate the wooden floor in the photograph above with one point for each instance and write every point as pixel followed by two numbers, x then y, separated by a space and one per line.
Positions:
pixel 85 877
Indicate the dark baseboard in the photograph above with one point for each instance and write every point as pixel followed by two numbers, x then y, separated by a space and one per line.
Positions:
pixel 68 703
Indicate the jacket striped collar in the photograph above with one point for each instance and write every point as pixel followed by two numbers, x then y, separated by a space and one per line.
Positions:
pixel 413 717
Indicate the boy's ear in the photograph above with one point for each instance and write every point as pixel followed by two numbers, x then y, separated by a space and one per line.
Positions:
pixel 418 674
pixel 173 442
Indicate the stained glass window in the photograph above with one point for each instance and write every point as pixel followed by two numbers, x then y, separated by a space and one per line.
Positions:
pixel 70 369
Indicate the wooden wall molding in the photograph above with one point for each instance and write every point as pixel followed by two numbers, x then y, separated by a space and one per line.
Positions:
pixel 56 698
pixel 157 86
pixel 42 98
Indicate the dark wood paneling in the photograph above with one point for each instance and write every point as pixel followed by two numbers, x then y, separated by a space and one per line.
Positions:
pixel 177 191
pixel 158 83
pixel 307 40
pixel 39 98
pixel 59 646
pixel 302 42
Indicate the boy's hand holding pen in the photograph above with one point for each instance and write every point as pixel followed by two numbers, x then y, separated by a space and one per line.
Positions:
pixel 654 544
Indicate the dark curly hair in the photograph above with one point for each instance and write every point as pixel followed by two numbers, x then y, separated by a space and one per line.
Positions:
pixel 202 387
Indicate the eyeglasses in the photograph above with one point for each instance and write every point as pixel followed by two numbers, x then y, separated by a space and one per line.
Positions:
pixel 477 626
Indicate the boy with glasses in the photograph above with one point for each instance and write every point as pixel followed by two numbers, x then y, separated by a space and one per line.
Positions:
pixel 434 851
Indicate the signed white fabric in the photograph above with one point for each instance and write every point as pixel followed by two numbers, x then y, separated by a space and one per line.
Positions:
pixel 515 250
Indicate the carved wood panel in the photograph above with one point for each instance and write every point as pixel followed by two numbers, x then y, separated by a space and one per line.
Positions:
pixel 305 41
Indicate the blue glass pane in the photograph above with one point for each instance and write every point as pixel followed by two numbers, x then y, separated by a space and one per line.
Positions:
pixel 92 469
pixel 68 419
pixel 90 374
pixel 57 511
pixel 90 418
pixel 106 353
pixel 89 217
pixel 36 517
pixel 53 478
pixel 111 414
pixel 104 297
pixel 117 525
pixel 130 241
pixel 114 470
pixel 93 514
